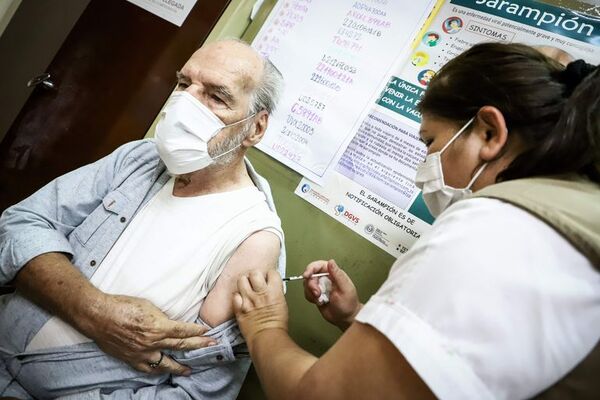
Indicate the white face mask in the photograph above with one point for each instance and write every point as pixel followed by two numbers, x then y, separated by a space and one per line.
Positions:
pixel 430 179
pixel 183 132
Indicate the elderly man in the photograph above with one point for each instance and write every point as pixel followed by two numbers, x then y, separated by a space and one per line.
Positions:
pixel 133 259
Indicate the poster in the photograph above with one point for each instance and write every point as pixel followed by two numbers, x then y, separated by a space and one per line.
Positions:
pixel 379 165
pixel 174 11
pixel 335 57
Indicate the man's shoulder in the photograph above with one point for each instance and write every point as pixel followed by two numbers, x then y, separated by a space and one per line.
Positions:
pixel 137 157
pixel 143 149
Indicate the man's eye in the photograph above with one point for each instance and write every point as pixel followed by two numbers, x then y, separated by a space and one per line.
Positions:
pixel 217 99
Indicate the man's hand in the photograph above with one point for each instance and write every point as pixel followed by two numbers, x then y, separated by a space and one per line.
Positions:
pixel 128 328
pixel 135 331
pixel 343 300
pixel 259 304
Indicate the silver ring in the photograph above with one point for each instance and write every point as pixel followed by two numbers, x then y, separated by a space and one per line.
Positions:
pixel 156 364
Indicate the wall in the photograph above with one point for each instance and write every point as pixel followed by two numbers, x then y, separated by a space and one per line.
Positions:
pixel 7 10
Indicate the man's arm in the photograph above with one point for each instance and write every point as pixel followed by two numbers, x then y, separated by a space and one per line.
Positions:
pixel 43 222
pixel 259 251
pixel 33 252
pixel 128 328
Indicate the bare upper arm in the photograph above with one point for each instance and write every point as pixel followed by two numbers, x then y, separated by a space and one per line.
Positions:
pixel 363 364
pixel 259 251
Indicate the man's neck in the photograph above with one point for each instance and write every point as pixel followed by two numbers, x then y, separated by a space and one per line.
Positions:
pixel 213 179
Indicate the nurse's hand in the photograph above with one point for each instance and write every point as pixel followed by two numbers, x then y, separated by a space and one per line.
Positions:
pixel 343 299
pixel 259 304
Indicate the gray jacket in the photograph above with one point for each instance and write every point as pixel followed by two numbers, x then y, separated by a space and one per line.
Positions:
pixel 82 214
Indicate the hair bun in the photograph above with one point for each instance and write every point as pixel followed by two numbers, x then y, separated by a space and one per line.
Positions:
pixel 574 73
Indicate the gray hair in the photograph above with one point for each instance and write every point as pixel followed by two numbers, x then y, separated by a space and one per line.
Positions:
pixel 266 94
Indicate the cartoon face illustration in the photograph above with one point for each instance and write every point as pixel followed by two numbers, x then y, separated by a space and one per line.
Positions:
pixel 452 25
pixel 431 39
pixel 425 76
pixel 420 59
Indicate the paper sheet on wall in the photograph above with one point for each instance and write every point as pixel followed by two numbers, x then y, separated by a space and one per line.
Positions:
pixel 174 11
pixel 334 56
pixel 372 191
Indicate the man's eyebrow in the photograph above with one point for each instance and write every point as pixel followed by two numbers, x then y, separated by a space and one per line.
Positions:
pixel 223 91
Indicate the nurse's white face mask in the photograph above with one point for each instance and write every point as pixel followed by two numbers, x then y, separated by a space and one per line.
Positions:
pixel 183 132
pixel 430 179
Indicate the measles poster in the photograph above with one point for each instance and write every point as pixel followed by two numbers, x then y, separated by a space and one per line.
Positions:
pixel 334 56
pixel 372 190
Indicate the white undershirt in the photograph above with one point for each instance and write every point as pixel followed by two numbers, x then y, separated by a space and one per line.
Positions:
pixel 492 303
pixel 173 252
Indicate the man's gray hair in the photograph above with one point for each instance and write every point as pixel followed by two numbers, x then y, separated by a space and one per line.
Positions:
pixel 266 94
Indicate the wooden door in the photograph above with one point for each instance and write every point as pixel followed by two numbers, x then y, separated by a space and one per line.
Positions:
pixel 112 75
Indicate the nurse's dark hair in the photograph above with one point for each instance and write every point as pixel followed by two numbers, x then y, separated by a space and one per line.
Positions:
pixel 553 109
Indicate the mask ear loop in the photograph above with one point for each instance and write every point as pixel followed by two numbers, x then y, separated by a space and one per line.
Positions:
pixel 240 121
pixel 227 152
pixel 479 171
pixel 457 134
pixel 239 145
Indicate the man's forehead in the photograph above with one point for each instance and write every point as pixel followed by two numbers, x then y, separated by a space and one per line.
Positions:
pixel 232 61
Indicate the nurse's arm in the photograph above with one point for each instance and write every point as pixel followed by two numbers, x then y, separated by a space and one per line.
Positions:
pixel 362 364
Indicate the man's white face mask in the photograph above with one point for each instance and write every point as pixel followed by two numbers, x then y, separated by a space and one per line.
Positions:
pixel 430 179
pixel 183 132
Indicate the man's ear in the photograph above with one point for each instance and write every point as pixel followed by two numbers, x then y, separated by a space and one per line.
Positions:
pixel 491 128
pixel 261 121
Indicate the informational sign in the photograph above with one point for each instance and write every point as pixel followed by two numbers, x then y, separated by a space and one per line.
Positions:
pixel 372 190
pixel 386 225
pixel 462 23
pixel 174 11
pixel 335 57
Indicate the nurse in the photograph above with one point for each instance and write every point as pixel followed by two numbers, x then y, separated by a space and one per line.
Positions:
pixel 501 298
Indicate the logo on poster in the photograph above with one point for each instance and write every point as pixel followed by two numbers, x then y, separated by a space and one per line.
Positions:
pixel 431 39
pixel 313 194
pixel 425 76
pixel 338 209
pixel 369 229
pixel 452 25
pixel 420 59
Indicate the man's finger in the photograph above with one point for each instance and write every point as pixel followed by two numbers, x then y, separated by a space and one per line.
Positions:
pixel 170 366
pixel 178 329
pixel 192 343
